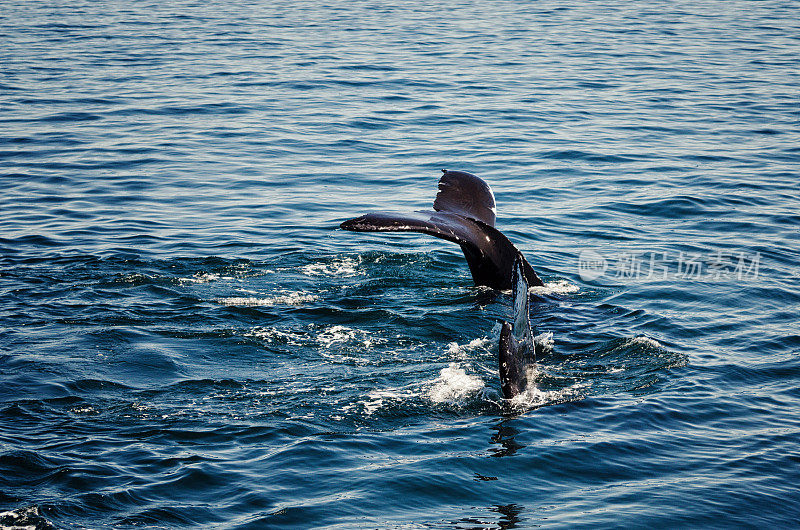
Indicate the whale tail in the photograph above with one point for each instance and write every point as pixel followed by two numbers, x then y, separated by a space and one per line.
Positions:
pixel 464 213
pixel 465 194
pixel 516 351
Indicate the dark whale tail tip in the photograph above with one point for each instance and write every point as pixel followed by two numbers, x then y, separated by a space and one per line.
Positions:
pixel 463 212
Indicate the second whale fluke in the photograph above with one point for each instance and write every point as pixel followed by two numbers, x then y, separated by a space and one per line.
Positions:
pixel 516 351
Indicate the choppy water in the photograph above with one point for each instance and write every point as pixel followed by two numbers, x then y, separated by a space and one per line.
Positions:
pixel 188 339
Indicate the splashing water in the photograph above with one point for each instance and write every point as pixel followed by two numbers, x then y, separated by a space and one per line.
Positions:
pixel 454 385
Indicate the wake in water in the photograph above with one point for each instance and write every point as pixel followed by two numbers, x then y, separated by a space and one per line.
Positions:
pixel 388 371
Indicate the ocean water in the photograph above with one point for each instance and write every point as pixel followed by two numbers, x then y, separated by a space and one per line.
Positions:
pixel 188 340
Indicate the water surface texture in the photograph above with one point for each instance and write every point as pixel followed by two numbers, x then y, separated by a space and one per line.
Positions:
pixel 188 339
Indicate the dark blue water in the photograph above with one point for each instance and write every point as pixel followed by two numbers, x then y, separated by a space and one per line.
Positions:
pixel 188 340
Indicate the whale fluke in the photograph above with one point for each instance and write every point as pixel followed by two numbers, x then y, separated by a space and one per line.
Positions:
pixel 466 195
pixel 464 213
pixel 516 352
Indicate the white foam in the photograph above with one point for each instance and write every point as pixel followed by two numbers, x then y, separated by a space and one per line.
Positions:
pixel 376 399
pixel 454 385
pixel 339 338
pixel 83 410
pixel 203 277
pixel 341 267
pixel 135 277
pixel 337 334
pixel 454 348
pixel 643 340
pixel 544 341
pixel 21 518
pixel 533 397
pixel 344 335
pixel 557 287
pixel 274 335
pixel 290 298
pixel 338 358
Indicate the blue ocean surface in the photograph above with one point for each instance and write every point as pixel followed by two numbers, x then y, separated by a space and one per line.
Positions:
pixel 188 340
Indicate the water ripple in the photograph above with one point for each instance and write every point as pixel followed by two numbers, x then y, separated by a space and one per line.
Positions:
pixel 188 339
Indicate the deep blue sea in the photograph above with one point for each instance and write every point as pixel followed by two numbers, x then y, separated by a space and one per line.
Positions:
pixel 188 340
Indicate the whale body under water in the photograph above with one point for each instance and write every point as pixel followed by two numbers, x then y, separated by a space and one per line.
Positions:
pixel 464 212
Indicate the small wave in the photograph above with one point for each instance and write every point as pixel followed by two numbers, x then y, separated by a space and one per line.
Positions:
pixel 642 340
pixel 381 398
pixel 203 277
pixel 331 337
pixel 533 397
pixel 544 342
pixel 338 358
pixel 336 334
pixel 275 335
pixel 631 364
pixel 293 298
pixel 84 410
pixel 455 348
pixel 557 287
pixel 343 334
pixel 339 345
pixel 135 278
pixel 345 267
pixel 454 385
